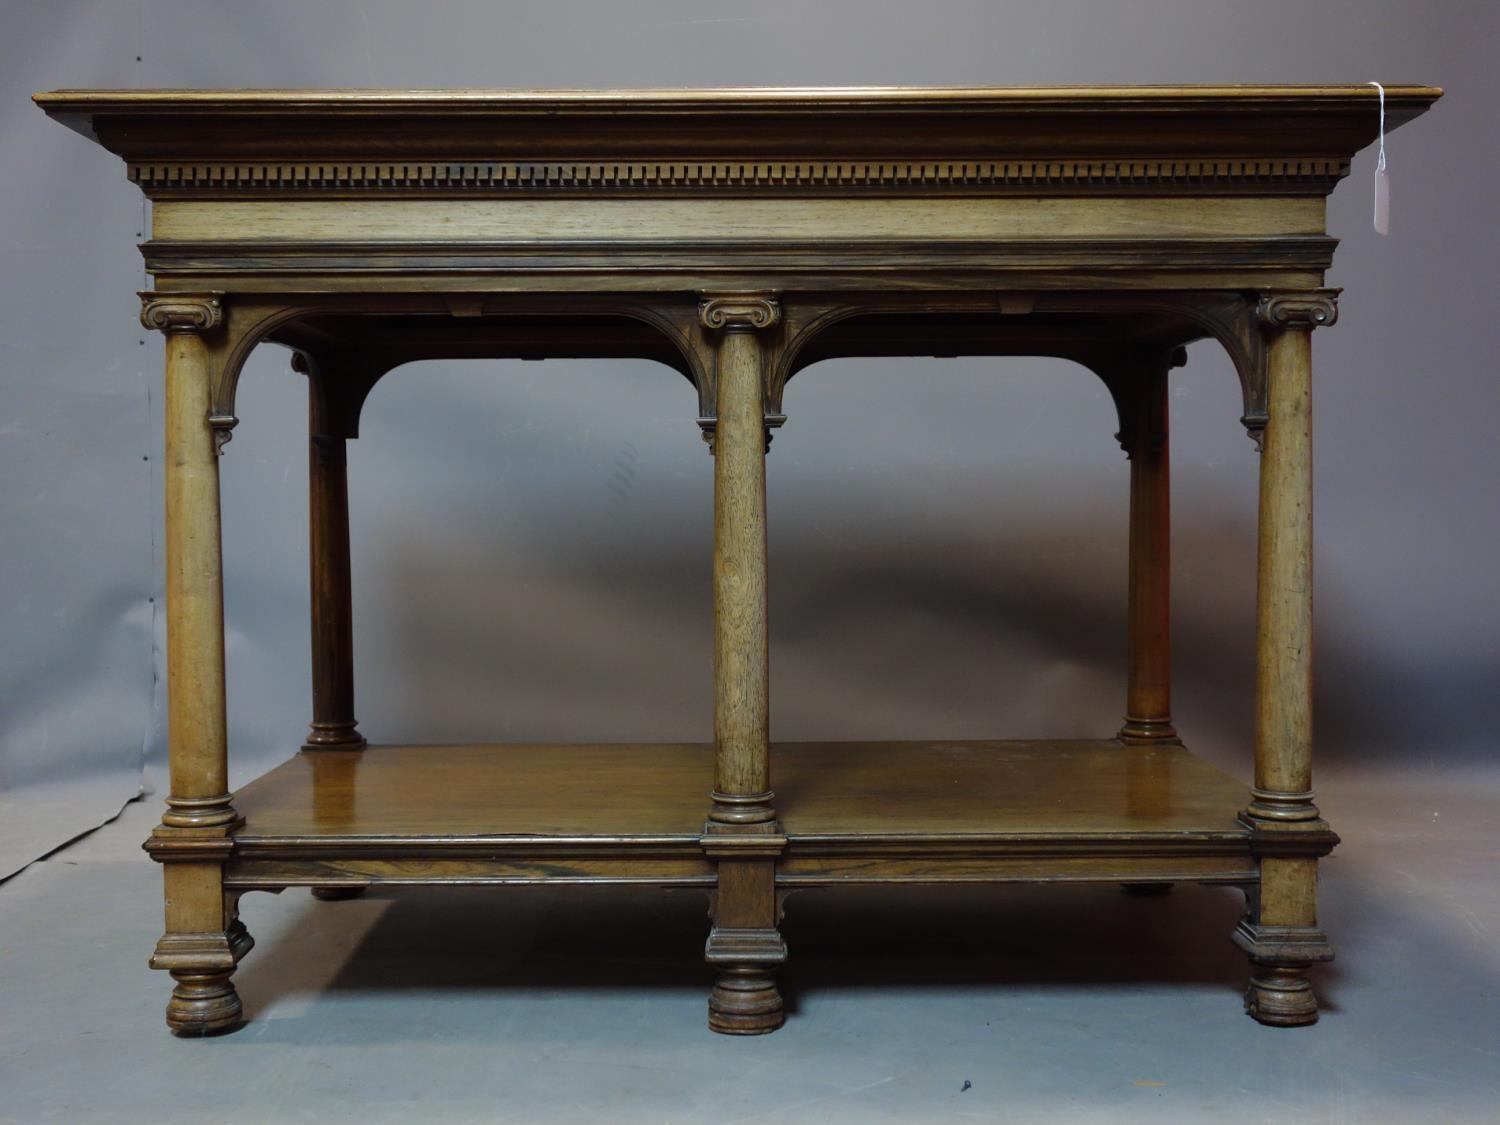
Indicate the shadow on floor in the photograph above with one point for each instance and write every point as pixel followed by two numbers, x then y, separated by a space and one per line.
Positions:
pixel 648 942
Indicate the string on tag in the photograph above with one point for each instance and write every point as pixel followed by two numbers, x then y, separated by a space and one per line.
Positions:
pixel 1382 217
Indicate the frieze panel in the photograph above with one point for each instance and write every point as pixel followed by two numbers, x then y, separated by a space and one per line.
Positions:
pixel 159 178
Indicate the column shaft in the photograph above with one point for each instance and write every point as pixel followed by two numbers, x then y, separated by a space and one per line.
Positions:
pixel 196 725
pixel 1148 693
pixel 334 726
pixel 741 672
pixel 1284 618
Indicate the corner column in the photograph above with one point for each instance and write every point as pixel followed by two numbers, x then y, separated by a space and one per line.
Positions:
pixel 742 832
pixel 333 726
pixel 1280 930
pixel 1145 437
pixel 203 939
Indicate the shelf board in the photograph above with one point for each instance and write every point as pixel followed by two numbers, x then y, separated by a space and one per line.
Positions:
pixel 851 811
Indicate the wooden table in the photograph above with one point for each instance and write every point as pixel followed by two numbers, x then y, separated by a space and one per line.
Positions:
pixel 738 236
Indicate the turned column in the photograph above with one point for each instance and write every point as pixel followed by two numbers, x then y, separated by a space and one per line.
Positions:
pixel 203 939
pixel 742 770
pixel 742 832
pixel 333 726
pixel 1145 437
pixel 1280 933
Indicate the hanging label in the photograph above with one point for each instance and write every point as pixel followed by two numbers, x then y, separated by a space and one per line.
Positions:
pixel 1382 177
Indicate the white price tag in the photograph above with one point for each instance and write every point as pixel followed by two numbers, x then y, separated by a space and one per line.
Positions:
pixel 1382 177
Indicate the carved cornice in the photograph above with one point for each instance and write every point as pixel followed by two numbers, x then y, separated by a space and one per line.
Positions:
pixel 447 178
pixel 739 312
pixel 1302 310
pixel 181 312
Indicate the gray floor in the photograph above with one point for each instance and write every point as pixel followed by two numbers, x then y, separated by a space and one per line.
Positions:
pixel 1015 1004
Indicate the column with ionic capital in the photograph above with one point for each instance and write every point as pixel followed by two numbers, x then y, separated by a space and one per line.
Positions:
pixel 203 938
pixel 1280 932
pixel 1284 590
pixel 742 791
pixel 196 735
pixel 742 834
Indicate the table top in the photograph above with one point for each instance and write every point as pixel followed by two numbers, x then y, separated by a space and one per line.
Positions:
pixel 914 122
pixel 723 99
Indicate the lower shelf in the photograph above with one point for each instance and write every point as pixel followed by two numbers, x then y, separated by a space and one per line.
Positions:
pixel 885 812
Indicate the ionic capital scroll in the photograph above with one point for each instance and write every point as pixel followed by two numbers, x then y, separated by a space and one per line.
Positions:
pixel 181 312
pixel 738 312
pixel 1304 309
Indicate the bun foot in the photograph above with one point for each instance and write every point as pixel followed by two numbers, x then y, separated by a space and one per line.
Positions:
pixel 203 1004
pixel 745 1001
pixel 1281 997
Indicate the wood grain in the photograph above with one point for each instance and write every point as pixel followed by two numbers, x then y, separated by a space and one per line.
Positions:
pixel 1284 627
pixel 329 578
pixel 742 791
pixel 1148 678
pixel 640 221
pixel 866 791
pixel 196 721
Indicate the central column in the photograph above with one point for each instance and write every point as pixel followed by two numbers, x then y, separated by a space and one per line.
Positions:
pixel 742 833
pixel 742 772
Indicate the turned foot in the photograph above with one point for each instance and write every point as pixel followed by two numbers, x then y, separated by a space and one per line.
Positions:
pixel 1280 994
pixel 745 1001
pixel 201 962
pixel 337 894
pixel 203 1004
pixel 1281 997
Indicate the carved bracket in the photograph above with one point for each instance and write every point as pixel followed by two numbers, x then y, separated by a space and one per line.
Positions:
pixel 223 427
pixel 734 312
pixel 173 313
pixel 1293 310
pixel 1154 320
pixel 1127 385
pixel 251 319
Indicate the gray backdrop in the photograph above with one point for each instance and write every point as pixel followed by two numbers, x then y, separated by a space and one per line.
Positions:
pixel 531 541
